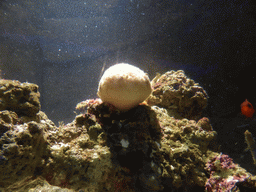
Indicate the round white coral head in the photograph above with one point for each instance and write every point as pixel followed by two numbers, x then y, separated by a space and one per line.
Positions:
pixel 124 86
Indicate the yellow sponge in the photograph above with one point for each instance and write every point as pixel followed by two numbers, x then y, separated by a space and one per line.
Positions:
pixel 124 86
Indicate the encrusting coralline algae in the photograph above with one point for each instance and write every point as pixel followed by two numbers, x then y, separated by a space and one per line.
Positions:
pixel 161 145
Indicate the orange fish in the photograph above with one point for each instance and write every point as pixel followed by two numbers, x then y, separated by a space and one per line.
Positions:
pixel 247 109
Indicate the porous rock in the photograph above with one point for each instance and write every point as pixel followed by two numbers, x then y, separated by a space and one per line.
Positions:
pixel 181 96
pixel 23 149
pixel 22 98
pixel 104 149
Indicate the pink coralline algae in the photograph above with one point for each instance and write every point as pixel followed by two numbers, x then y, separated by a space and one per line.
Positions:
pixel 224 174
pixel 204 123
pixel 82 106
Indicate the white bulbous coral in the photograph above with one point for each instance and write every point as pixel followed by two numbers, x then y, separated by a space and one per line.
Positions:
pixel 124 86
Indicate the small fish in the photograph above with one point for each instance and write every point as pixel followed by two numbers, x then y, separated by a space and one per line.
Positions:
pixel 247 109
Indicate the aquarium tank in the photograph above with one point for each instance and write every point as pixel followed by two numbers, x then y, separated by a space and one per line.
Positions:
pixel 127 95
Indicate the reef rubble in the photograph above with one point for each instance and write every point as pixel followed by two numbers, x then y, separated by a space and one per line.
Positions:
pixel 157 146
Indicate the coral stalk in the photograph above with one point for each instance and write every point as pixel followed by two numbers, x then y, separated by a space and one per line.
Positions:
pixel 251 144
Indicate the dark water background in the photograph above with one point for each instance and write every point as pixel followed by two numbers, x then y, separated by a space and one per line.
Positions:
pixel 62 45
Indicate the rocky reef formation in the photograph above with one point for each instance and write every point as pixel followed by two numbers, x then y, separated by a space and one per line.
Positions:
pixel 21 98
pixel 181 96
pixel 103 149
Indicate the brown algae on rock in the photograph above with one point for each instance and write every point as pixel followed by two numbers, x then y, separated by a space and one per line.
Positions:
pixel 23 149
pixel 143 149
pixel 184 150
pixel 181 96
pixel 19 97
